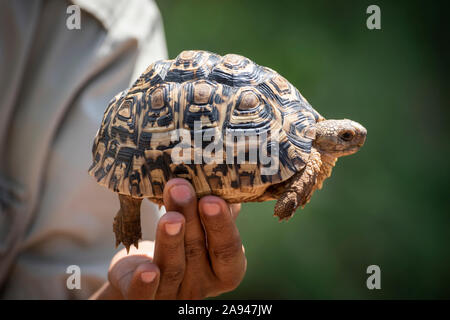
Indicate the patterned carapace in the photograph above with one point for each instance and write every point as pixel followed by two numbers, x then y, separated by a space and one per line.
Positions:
pixel 225 95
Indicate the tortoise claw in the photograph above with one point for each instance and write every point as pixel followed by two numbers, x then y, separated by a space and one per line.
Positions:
pixel 286 206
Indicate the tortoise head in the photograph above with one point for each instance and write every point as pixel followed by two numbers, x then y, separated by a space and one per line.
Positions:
pixel 339 138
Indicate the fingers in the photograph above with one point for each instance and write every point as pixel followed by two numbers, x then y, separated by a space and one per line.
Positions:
pixel 224 242
pixel 144 282
pixel 207 269
pixel 169 254
pixel 180 196
pixel 134 276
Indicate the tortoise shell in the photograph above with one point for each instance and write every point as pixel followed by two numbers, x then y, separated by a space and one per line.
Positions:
pixel 202 93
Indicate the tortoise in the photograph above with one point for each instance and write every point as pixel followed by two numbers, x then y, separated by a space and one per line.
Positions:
pixel 149 134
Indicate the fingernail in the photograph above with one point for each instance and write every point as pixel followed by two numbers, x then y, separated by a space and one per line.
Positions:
pixel 180 193
pixel 148 276
pixel 211 209
pixel 173 228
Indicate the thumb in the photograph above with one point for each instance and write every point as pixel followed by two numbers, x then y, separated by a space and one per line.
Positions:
pixel 143 283
pixel 134 275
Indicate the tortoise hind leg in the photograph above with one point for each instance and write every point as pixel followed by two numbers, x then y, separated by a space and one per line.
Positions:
pixel 127 222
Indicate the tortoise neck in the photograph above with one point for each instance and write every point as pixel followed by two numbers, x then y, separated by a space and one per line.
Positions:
pixel 328 163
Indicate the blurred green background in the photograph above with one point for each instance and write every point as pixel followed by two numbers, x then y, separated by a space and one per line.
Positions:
pixel 387 205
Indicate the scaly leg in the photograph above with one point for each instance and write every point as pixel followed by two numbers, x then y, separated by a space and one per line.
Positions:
pixel 299 189
pixel 127 222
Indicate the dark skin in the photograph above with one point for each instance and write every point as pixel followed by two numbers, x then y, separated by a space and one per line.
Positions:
pixel 197 253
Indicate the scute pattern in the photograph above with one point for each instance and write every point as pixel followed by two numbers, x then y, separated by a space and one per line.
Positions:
pixel 132 152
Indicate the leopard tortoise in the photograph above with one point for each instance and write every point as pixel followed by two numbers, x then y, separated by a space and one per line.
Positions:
pixel 149 134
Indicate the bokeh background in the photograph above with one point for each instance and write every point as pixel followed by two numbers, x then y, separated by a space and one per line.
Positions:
pixel 387 205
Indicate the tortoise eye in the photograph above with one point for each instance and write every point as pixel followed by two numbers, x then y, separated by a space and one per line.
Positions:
pixel 347 135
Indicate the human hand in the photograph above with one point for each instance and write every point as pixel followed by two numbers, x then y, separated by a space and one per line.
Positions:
pixel 197 252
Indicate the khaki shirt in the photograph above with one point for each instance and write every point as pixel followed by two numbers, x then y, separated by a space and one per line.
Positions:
pixel 55 84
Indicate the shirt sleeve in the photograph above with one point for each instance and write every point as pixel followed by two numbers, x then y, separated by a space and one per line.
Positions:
pixel 70 77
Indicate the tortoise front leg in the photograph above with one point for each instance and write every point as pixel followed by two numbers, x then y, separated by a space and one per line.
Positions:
pixel 127 222
pixel 298 190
